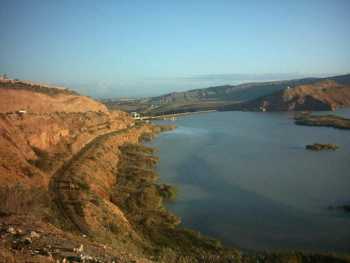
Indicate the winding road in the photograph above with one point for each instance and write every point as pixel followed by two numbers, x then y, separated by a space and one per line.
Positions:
pixel 67 193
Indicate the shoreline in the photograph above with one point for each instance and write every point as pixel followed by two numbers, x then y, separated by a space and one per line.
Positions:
pixel 179 114
pixel 168 116
pixel 269 255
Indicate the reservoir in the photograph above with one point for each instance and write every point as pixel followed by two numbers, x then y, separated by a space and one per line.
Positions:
pixel 246 179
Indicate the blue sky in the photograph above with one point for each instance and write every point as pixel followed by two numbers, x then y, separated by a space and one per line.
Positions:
pixel 139 48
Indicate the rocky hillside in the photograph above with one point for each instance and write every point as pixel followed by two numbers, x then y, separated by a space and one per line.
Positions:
pixel 26 140
pixel 42 130
pixel 76 185
pixel 322 95
pixel 241 92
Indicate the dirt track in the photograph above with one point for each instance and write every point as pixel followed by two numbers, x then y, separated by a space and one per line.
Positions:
pixel 67 194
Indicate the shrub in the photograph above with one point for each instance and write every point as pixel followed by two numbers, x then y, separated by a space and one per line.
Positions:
pixel 168 192
pixel 19 199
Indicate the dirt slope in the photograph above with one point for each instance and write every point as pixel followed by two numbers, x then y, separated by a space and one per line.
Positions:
pixel 40 152
pixel 35 143
pixel 35 98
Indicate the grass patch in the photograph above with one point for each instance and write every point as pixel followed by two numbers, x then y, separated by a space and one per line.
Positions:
pixel 155 130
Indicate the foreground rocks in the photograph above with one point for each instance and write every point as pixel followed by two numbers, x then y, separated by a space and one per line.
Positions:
pixel 18 243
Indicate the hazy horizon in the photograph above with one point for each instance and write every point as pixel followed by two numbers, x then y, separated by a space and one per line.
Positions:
pixel 148 48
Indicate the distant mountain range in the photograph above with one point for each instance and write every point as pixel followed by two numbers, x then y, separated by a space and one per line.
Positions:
pixel 299 94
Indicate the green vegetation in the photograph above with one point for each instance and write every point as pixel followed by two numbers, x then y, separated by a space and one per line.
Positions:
pixel 80 183
pixel 320 147
pixel 323 120
pixel 45 161
pixel 141 199
pixel 164 128
pixel 167 192
pixel 156 129
pixel 19 199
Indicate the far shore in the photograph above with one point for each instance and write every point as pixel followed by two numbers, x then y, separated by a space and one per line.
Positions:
pixel 169 116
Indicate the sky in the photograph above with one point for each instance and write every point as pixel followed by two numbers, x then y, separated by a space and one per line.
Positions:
pixel 143 48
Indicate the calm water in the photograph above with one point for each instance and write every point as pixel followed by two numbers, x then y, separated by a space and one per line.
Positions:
pixel 247 179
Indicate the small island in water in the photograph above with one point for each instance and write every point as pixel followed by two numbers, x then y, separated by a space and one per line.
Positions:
pixel 323 120
pixel 345 208
pixel 320 147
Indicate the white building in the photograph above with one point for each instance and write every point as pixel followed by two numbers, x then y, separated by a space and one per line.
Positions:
pixel 136 115
pixel 21 112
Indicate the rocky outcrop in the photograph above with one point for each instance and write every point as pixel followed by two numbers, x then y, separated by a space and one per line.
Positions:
pixel 35 143
pixel 41 127
pixel 326 95
pixel 323 121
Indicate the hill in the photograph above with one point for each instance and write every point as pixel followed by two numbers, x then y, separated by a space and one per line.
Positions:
pixel 323 95
pixel 38 98
pixel 237 97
